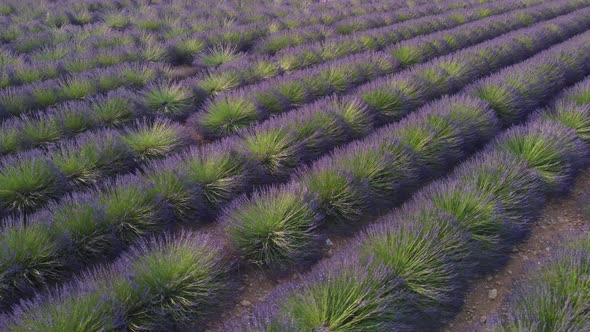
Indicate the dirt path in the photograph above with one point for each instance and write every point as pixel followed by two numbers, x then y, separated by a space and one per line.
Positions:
pixel 257 285
pixel 486 295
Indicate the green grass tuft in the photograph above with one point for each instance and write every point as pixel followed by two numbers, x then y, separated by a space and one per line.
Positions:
pixel 28 184
pixel 273 229
pixel 171 100
pixel 155 139
pixel 227 116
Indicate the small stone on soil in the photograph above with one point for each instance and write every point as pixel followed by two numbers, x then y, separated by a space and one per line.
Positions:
pixel 493 294
pixel 246 303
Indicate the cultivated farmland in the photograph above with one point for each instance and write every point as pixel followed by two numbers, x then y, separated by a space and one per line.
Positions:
pixel 274 165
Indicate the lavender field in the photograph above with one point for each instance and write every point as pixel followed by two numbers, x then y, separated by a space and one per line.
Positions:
pixel 277 165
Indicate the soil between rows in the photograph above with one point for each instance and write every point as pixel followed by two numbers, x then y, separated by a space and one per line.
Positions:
pixel 486 296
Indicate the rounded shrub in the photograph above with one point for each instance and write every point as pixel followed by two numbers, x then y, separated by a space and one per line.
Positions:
pixel 357 116
pixel 153 139
pixel 510 182
pixel 88 232
pixel 475 211
pixel 573 116
pixel 214 83
pixel 275 151
pixel 173 100
pixel 428 253
pixel 132 210
pixel 29 258
pixel 391 99
pixel 341 197
pixel 435 147
pixel 220 171
pixel 551 149
pixel 387 167
pixel 346 297
pixel 168 181
pixel 28 182
pixel 115 110
pixel 175 280
pixel 89 159
pixel 218 55
pixel 274 228
pixel 226 115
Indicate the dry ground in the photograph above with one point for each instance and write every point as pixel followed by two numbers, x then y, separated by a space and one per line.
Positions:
pixel 485 295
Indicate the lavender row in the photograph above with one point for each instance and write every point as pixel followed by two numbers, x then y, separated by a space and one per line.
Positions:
pixel 376 39
pixel 31 180
pixel 344 12
pixel 195 185
pixel 99 36
pixel 292 37
pixel 156 286
pixel 379 19
pixel 423 48
pixel 409 271
pixel 90 37
pixel 147 19
pixel 175 52
pixel 58 14
pixel 232 111
pixel 71 57
pixel 239 73
pixel 24 99
pixel 64 13
pixel 271 43
pixel 277 42
pixel 460 232
pixel 253 70
pixel 286 140
pixel 159 98
pixel 21 133
pixel 26 73
pixel 281 226
pixel 250 31
pixel 346 186
pixel 152 23
pixel 194 49
pixel 81 297
pixel 303 28
pixel 555 296
pixel 67 58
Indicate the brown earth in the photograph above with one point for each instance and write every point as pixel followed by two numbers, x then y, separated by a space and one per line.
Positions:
pixel 256 286
pixel 486 296
pixel 184 71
